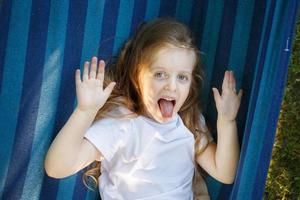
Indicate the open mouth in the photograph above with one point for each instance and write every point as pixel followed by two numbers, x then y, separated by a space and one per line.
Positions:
pixel 166 107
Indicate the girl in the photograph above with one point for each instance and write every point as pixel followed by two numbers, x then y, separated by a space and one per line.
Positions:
pixel 148 131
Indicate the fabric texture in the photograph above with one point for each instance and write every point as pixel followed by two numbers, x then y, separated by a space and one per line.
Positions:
pixel 43 42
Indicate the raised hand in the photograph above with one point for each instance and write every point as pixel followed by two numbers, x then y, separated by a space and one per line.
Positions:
pixel 91 95
pixel 228 104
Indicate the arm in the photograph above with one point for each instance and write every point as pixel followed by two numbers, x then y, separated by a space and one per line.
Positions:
pixel 69 151
pixel 221 160
pixel 228 151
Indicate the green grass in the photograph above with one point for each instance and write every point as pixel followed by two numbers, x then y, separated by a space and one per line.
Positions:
pixel 283 181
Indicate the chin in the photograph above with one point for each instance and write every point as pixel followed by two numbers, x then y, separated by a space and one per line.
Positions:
pixel 162 119
pixel 157 116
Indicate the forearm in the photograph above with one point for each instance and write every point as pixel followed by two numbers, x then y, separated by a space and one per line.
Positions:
pixel 227 153
pixel 65 147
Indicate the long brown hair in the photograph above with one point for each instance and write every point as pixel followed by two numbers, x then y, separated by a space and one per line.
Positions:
pixel 137 53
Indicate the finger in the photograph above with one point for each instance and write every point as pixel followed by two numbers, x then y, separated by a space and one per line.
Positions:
pixel 240 94
pixel 77 80
pixel 77 77
pixel 93 67
pixel 225 80
pixel 109 88
pixel 217 95
pixel 232 81
pixel 100 75
pixel 86 71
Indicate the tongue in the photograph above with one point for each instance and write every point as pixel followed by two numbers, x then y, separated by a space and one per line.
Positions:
pixel 166 107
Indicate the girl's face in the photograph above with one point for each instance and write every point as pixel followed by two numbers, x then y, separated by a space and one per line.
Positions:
pixel 166 82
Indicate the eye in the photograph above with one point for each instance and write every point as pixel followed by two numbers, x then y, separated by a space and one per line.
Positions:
pixel 160 75
pixel 183 77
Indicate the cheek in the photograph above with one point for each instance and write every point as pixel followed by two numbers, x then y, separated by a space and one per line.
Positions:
pixel 152 86
pixel 150 89
pixel 185 92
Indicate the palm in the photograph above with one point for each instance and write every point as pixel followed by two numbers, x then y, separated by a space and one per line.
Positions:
pixel 90 92
pixel 229 103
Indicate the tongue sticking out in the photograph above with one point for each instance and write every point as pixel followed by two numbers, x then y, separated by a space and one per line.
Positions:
pixel 166 107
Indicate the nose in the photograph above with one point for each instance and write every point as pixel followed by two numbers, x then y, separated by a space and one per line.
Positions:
pixel 171 85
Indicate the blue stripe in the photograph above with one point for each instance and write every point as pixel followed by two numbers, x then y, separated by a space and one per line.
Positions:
pixel 263 108
pixel 49 188
pixel 196 24
pixel 184 11
pixel 92 30
pixel 237 60
pixel 198 17
pixel 78 11
pixel 28 110
pixel 212 24
pixel 152 9
pixel 139 12
pixel 123 24
pixel 92 33
pixel 167 8
pixel 247 158
pixel 240 39
pixel 66 188
pixel 224 42
pixel 213 187
pixel 92 195
pixel 12 81
pixel 80 191
pixel 221 59
pixel 49 98
pixel 286 25
pixel 209 40
pixel 246 167
pixel 5 11
pixel 225 191
pixel 222 52
pixel 254 42
pixel 111 9
pixel 73 46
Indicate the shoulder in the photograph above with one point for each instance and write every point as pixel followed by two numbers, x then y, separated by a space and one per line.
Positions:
pixel 112 124
pixel 119 115
pixel 108 134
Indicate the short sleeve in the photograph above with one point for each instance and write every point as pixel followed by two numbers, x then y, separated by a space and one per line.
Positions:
pixel 205 129
pixel 107 135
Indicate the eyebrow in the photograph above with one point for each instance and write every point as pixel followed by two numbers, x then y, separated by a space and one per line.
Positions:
pixel 162 68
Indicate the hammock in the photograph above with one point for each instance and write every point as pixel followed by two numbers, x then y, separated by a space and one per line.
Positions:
pixel 43 42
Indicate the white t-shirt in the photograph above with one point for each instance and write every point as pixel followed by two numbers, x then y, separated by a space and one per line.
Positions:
pixel 144 159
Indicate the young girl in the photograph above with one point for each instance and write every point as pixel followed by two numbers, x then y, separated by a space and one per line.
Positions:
pixel 148 131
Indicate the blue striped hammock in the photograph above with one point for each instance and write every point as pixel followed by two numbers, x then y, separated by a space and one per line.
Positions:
pixel 42 42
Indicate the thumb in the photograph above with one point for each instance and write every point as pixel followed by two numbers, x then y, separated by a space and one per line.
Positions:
pixel 109 88
pixel 216 93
